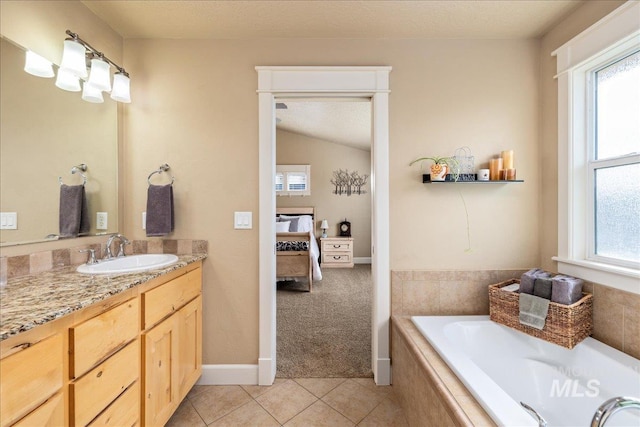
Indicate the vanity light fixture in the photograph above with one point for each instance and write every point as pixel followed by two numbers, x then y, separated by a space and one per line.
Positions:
pixel 73 68
pixel 36 65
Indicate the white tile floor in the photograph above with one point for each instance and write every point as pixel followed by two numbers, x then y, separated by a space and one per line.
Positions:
pixel 307 402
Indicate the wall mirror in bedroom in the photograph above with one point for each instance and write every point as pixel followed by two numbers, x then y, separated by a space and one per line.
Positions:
pixel 45 132
pixel 330 135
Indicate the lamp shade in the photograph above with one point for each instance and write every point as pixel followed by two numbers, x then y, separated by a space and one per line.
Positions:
pixel 36 65
pixel 324 225
pixel 100 78
pixel 121 87
pixel 68 81
pixel 73 58
pixel 90 93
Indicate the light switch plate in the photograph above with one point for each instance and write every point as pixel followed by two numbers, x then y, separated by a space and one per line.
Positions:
pixel 101 220
pixel 8 220
pixel 243 221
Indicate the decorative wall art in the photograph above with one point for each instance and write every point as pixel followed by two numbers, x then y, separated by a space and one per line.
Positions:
pixel 349 183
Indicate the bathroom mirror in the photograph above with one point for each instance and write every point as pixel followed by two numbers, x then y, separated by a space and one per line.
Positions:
pixel 45 131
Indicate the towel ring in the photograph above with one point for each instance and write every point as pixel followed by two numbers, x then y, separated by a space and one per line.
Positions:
pixel 162 168
pixel 77 169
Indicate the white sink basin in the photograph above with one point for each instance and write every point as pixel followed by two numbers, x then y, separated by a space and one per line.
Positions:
pixel 129 264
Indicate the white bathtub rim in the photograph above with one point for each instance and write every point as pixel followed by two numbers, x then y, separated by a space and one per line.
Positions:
pixel 502 408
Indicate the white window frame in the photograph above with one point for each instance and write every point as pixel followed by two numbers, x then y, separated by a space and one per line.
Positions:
pixel 285 170
pixel 613 36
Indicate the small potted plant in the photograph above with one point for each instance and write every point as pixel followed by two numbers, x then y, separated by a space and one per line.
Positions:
pixel 441 167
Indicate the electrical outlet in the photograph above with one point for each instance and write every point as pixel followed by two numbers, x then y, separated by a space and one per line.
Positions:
pixel 144 220
pixel 101 220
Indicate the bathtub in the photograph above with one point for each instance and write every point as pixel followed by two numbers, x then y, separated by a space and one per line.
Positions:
pixel 502 367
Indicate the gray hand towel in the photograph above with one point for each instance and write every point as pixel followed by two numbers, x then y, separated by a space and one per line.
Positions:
pixel 542 288
pixel 566 290
pixel 74 213
pixel 533 310
pixel 160 218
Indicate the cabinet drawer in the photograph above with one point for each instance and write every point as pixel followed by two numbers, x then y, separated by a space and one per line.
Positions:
pixel 336 258
pixel 49 414
pixel 159 302
pixel 30 377
pixel 95 339
pixel 93 392
pixel 336 245
pixel 124 412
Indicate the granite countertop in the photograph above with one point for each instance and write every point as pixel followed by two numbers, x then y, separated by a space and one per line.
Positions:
pixel 33 300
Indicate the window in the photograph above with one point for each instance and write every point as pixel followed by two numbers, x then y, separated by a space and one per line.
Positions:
pixel 293 180
pixel 614 164
pixel 599 152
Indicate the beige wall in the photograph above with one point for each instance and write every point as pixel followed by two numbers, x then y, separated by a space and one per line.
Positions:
pixel 575 23
pixel 324 158
pixel 196 108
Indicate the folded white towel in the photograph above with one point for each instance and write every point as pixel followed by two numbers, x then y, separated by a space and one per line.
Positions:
pixel 533 310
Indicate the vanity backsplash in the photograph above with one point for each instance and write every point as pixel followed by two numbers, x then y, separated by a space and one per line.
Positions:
pixel 38 262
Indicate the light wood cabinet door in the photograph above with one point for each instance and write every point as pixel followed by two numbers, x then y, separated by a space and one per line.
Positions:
pixel 30 377
pixel 160 372
pixel 190 345
pixel 49 414
pixel 164 300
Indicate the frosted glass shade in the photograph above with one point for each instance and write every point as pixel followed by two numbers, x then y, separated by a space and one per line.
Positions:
pixel 90 93
pixel 68 81
pixel 100 78
pixel 36 65
pixel 73 58
pixel 121 87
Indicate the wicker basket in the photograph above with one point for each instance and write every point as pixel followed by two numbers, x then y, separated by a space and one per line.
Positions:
pixel 566 325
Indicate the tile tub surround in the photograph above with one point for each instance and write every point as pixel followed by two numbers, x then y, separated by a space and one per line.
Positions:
pixel 38 262
pixel 616 313
pixel 428 391
pixel 36 299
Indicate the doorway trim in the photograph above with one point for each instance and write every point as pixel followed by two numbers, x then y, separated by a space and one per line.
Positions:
pixel 372 82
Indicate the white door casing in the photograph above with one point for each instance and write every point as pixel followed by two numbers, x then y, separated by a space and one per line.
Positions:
pixel 372 82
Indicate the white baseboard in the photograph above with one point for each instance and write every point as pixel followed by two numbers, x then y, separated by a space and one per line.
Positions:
pixel 229 375
pixel 362 260
pixel 383 372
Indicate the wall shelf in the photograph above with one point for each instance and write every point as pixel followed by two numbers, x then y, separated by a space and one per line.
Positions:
pixel 426 179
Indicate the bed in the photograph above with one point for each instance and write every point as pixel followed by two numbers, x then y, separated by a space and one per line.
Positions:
pixel 297 250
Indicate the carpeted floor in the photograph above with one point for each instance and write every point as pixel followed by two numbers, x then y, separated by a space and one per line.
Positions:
pixel 326 333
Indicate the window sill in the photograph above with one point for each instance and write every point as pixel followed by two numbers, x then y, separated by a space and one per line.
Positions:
pixel 623 278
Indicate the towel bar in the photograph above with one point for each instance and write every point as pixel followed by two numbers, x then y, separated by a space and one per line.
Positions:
pixel 77 168
pixel 162 168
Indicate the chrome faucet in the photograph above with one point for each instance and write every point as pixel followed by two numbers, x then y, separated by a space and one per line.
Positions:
pixel 612 406
pixel 123 242
pixel 541 421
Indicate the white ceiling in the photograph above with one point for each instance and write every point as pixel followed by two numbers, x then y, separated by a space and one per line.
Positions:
pixel 231 19
pixel 340 122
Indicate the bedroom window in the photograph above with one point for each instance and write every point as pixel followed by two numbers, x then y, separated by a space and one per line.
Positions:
pixel 599 152
pixel 293 180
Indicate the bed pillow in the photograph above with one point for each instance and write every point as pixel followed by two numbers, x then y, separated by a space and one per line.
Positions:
pixel 305 222
pixel 282 226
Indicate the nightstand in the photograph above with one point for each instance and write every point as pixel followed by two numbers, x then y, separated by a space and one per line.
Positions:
pixel 337 252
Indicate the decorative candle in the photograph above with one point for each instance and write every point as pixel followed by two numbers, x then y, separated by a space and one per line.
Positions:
pixel 511 174
pixel 507 159
pixel 494 169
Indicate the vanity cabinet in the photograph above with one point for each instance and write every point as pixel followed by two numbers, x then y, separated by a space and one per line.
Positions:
pixel 31 384
pixel 172 345
pixel 128 360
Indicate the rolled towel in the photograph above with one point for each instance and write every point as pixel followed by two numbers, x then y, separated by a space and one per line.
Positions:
pixel 533 310
pixel 74 214
pixel 160 218
pixel 542 288
pixel 528 279
pixel 566 290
